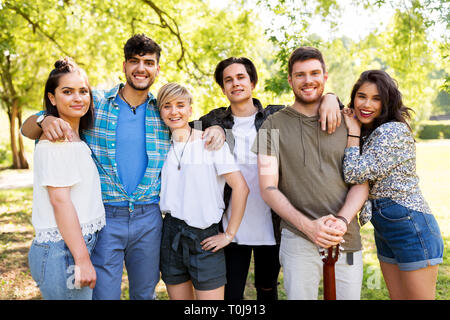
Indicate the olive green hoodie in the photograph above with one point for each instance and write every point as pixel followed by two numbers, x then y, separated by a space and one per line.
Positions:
pixel 309 166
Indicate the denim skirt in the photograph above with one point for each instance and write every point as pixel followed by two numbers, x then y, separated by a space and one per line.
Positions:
pixel 411 239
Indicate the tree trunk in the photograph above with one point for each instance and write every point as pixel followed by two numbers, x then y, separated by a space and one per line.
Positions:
pixel 18 156
pixel 23 160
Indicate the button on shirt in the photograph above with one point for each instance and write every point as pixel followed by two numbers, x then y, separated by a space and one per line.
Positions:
pixel 131 155
pixel 102 141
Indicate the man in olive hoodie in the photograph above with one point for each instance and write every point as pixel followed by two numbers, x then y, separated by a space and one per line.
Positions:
pixel 300 174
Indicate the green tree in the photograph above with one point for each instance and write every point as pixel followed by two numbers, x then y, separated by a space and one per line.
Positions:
pixel 407 49
pixel 193 37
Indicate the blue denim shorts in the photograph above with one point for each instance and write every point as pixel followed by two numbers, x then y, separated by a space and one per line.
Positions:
pixel 183 259
pixel 53 269
pixel 408 238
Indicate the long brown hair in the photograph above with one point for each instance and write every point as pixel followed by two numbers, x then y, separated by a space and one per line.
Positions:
pixel 392 108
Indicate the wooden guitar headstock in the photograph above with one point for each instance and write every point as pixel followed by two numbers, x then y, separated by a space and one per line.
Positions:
pixel 330 255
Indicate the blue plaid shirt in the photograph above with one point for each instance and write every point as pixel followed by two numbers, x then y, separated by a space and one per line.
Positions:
pixel 102 141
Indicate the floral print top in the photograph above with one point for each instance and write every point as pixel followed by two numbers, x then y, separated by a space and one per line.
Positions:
pixel 388 162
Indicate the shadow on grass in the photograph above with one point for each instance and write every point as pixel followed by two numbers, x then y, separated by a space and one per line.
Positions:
pixel 16 234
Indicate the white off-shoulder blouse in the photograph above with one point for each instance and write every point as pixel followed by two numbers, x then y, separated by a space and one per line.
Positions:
pixel 66 164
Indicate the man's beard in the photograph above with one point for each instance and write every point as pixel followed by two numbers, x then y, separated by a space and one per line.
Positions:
pixel 312 100
pixel 132 85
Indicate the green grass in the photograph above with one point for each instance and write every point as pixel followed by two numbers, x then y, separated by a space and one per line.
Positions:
pixel 16 233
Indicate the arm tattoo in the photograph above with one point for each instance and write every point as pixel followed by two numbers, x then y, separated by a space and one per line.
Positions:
pixel 270 188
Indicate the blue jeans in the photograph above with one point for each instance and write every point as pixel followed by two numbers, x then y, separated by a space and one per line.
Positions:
pixel 134 238
pixel 53 269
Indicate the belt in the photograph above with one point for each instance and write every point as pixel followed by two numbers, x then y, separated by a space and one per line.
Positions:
pixel 184 230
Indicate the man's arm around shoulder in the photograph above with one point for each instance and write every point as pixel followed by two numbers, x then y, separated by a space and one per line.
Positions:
pixel 53 128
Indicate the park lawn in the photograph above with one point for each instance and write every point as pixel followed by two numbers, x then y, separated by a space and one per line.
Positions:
pixel 16 234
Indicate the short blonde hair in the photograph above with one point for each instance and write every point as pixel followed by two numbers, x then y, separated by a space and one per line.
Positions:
pixel 171 91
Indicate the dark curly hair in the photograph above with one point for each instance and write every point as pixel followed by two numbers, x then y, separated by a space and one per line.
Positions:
pixel 392 107
pixel 62 67
pixel 247 63
pixel 140 45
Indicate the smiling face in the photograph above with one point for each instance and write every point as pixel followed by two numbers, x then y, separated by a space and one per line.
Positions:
pixel 307 81
pixel 176 113
pixel 367 103
pixel 141 71
pixel 72 97
pixel 237 85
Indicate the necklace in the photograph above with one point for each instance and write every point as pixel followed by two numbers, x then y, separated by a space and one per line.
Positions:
pixel 123 98
pixel 182 152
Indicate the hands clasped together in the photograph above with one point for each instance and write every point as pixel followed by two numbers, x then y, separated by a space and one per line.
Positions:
pixel 327 231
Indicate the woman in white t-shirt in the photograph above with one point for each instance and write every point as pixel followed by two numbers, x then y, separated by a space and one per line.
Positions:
pixel 192 185
pixel 67 203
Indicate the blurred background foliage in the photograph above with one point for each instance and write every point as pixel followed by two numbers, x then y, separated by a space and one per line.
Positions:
pixel 409 40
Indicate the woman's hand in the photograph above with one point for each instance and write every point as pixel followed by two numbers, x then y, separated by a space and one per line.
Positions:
pixel 352 122
pixel 85 274
pixel 216 242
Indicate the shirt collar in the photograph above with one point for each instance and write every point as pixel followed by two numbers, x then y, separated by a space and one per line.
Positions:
pixel 112 94
pixel 256 103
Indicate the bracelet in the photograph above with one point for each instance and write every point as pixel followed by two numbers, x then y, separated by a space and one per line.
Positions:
pixel 343 219
pixel 229 238
pixel 350 135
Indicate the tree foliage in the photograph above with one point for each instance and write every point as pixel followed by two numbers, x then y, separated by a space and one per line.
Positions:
pixel 195 36
pixel 406 49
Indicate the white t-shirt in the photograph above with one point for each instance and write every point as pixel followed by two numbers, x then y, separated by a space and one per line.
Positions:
pixel 256 227
pixel 66 164
pixel 194 193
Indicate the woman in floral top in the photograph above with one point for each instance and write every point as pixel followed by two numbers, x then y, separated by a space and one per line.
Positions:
pixel 407 236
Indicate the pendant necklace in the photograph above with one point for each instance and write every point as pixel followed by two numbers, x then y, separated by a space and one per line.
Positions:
pixel 181 156
pixel 123 98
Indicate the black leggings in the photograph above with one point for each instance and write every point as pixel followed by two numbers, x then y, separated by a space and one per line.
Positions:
pixel 266 268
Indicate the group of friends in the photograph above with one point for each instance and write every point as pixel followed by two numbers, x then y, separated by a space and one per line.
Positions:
pixel 123 177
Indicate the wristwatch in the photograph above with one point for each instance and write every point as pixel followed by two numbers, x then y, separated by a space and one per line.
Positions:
pixel 40 119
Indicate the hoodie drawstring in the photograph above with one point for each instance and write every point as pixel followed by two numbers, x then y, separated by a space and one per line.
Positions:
pixel 303 144
pixel 319 151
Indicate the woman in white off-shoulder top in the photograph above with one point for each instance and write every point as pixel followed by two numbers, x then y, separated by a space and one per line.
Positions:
pixel 67 203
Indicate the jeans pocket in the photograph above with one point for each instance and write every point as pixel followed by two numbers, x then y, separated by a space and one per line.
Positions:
pixel 37 260
pixel 394 213
pixel 91 240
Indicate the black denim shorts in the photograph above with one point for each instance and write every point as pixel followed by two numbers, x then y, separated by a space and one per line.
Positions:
pixel 183 259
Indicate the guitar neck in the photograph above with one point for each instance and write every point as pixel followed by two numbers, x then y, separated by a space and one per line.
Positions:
pixel 329 282
pixel 329 277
